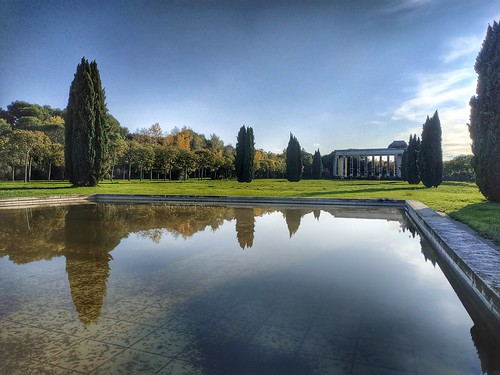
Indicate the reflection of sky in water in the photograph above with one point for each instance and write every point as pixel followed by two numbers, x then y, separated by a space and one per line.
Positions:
pixel 286 280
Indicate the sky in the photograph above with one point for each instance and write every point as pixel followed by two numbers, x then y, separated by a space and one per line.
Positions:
pixel 338 74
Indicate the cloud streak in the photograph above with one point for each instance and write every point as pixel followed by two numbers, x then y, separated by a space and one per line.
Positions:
pixel 399 6
pixel 449 93
pixel 460 47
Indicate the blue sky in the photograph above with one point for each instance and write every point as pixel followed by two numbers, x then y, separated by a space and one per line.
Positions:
pixel 337 74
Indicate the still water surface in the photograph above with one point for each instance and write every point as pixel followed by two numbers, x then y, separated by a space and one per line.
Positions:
pixel 218 290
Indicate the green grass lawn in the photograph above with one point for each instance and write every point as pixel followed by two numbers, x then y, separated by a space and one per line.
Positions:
pixel 460 200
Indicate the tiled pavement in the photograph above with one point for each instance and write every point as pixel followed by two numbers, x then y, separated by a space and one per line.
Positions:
pixel 218 334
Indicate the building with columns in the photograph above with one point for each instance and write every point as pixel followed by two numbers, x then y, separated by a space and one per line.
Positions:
pixel 370 162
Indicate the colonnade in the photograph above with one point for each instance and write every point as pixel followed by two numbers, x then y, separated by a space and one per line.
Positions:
pixel 366 163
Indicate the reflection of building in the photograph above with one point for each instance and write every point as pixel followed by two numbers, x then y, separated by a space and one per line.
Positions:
pixel 372 162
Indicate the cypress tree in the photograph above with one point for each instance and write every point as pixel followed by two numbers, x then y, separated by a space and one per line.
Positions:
pixel 484 124
pixel 293 160
pixel 430 156
pixel 248 168
pixel 412 169
pixel 245 153
pixel 86 127
pixel 317 165
pixel 240 154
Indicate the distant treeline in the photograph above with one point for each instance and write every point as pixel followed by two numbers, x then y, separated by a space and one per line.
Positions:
pixel 32 147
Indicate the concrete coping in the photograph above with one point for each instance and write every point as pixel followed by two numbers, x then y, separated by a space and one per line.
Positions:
pixel 472 264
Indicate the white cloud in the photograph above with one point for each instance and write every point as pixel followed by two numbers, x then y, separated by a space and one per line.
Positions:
pixel 397 6
pixel 374 122
pixel 448 93
pixel 462 46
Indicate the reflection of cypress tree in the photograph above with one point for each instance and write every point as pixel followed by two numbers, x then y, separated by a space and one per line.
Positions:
pixel 90 235
pixel 245 226
pixel 292 218
pixel 428 252
pixel 317 214
pixel 487 350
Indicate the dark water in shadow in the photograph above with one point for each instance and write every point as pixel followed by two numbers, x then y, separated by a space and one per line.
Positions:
pixel 215 290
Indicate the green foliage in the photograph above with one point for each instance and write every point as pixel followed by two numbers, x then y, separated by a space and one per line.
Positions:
pixel 24 115
pixel 459 169
pixel 404 166
pixel 430 155
pixel 484 125
pixel 411 163
pixel 307 160
pixel 317 165
pixel 245 153
pixel 5 127
pixel 86 133
pixel 293 160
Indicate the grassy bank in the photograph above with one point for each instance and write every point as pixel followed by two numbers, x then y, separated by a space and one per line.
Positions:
pixel 462 201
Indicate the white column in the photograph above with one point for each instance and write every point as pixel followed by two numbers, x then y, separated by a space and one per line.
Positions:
pixel 380 166
pixel 358 171
pixel 388 168
pixel 399 159
pixel 373 165
pixel 351 162
pixel 335 169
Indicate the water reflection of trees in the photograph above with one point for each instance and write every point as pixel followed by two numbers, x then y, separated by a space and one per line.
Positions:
pixel 245 226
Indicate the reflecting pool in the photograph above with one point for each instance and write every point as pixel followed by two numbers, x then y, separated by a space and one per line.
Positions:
pixel 176 289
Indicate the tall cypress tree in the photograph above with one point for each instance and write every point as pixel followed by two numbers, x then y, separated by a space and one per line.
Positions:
pixel 86 127
pixel 293 160
pixel 240 154
pixel 248 169
pixel 317 165
pixel 412 168
pixel 430 155
pixel 245 153
pixel 484 124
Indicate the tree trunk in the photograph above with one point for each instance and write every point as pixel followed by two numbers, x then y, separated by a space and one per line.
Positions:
pixel 129 169
pixel 13 173
pixel 29 170
pixel 112 171
pixel 26 168
pixel 50 170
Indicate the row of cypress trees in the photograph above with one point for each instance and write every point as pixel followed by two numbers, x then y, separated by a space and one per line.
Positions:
pixel 423 159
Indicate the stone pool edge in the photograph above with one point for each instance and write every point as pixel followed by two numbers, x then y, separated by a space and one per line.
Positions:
pixel 473 264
